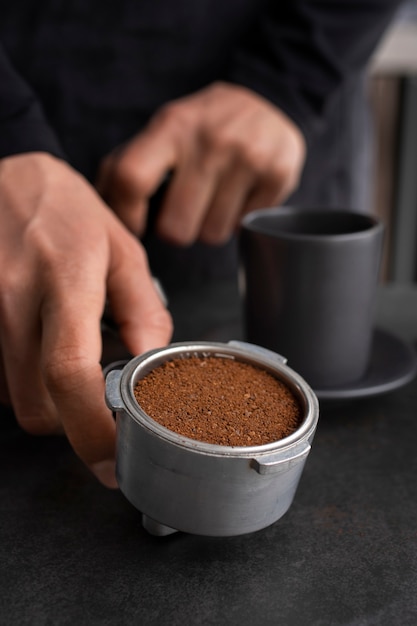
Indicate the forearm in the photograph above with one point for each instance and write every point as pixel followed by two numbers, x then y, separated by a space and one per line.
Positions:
pixel 300 52
pixel 23 126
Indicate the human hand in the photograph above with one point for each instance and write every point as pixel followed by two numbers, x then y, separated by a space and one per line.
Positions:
pixel 62 252
pixel 230 151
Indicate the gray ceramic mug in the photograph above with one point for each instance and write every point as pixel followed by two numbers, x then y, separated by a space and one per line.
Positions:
pixel 309 280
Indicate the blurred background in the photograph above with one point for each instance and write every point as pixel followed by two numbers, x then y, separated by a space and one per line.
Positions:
pixel 390 144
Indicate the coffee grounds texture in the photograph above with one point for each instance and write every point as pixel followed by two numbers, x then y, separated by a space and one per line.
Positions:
pixel 219 400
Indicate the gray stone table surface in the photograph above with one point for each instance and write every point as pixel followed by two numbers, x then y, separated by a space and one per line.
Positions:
pixel 74 553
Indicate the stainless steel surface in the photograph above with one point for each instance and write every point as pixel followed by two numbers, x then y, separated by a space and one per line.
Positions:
pixel 202 488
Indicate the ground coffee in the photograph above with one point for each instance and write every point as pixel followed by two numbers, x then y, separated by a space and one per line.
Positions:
pixel 219 400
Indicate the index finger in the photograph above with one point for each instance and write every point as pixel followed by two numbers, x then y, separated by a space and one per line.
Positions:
pixel 137 171
pixel 130 176
pixel 70 362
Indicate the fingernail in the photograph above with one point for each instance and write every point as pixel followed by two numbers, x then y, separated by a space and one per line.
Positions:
pixel 161 293
pixel 105 472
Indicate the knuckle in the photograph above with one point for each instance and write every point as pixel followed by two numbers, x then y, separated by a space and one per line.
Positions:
pixel 256 157
pixel 66 371
pixel 220 139
pixel 127 174
pixel 177 121
pixel 45 249
pixel 176 115
pixel 218 150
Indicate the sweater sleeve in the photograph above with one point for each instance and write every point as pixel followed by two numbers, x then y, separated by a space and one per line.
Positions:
pixel 23 126
pixel 301 51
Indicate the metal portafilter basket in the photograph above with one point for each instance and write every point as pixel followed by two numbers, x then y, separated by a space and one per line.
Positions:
pixel 178 483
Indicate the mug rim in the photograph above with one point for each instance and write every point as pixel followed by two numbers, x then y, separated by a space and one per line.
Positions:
pixel 371 223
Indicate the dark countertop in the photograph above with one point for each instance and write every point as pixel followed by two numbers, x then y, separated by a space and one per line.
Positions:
pixel 73 552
